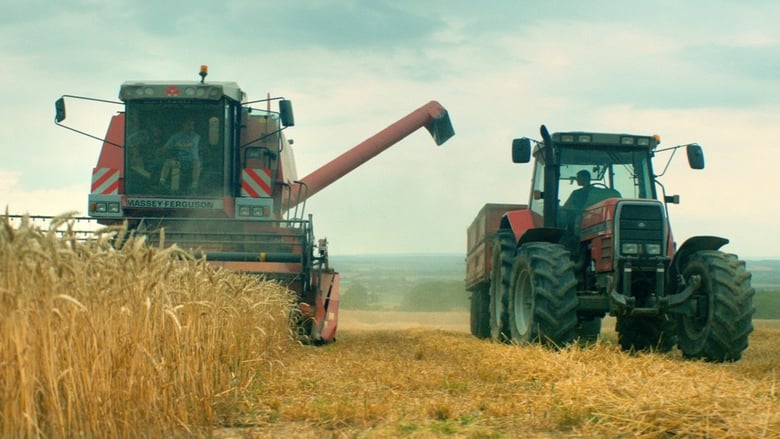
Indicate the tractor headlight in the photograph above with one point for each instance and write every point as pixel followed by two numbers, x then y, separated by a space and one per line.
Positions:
pixel 257 211
pixel 629 248
pixel 243 211
pixel 113 207
pixel 653 249
pixel 100 207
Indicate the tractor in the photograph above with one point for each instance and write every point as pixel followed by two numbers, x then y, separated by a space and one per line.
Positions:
pixel 595 240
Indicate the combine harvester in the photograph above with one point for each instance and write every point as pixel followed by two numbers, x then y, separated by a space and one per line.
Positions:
pixel 192 163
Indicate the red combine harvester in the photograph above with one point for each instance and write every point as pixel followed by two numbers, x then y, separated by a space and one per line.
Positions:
pixel 192 163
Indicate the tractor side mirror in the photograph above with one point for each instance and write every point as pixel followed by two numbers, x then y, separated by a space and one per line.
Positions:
pixel 695 156
pixel 59 107
pixel 521 150
pixel 286 113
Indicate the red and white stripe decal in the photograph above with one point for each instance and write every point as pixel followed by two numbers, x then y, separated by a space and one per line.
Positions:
pixel 256 183
pixel 105 181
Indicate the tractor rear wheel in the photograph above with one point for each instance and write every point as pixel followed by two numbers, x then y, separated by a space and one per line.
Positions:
pixel 480 313
pixel 719 332
pixel 500 275
pixel 646 333
pixel 543 295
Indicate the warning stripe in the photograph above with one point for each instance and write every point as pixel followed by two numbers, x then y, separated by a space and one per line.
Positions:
pixel 105 181
pixel 256 183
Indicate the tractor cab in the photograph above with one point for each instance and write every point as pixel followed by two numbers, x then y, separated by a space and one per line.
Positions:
pixel 575 171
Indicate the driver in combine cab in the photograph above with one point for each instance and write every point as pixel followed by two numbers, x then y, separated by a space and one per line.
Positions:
pixel 182 151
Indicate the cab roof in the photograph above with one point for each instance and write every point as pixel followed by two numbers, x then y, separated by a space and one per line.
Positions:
pixel 135 90
pixel 584 138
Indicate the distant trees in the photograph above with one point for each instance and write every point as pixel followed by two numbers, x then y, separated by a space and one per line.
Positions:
pixel 356 296
pixel 435 296
pixel 767 303
pixel 429 296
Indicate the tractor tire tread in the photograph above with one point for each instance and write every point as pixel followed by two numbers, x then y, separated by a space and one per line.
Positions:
pixel 554 314
pixel 724 335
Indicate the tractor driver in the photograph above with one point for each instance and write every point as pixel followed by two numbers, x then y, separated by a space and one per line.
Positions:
pixel 579 197
pixel 182 150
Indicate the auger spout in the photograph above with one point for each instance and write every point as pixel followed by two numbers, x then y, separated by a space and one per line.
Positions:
pixel 433 116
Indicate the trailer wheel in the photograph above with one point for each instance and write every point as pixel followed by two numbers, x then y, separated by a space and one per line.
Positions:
pixel 646 333
pixel 480 313
pixel 500 275
pixel 719 332
pixel 543 300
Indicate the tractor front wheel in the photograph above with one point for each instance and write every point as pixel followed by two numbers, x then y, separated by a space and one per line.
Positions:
pixel 724 308
pixel 543 295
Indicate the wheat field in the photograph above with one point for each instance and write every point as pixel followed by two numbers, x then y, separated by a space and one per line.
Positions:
pixel 112 338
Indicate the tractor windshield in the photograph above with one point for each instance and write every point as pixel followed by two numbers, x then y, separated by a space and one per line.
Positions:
pixel 625 172
pixel 605 172
pixel 175 148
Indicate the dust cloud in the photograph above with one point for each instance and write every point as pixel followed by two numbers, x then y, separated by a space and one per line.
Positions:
pixel 358 320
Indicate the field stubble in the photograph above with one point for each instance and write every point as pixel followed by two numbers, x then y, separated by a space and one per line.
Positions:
pixel 422 375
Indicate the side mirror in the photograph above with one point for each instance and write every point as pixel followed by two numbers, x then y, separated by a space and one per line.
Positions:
pixel 521 150
pixel 286 113
pixel 695 156
pixel 59 107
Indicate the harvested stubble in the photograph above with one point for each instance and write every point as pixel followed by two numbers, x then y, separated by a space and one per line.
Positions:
pixel 432 383
pixel 113 338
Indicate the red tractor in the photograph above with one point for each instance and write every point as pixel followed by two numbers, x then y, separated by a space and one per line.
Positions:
pixel 595 239
pixel 193 163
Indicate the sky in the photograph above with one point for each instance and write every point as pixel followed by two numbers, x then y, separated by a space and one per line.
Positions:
pixel 694 71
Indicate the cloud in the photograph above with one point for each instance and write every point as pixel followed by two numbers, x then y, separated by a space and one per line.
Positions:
pixel 353 67
pixel 55 200
pixel 340 25
pixel 759 61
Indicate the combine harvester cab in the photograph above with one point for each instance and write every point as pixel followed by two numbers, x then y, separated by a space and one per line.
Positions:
pixel 192 163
